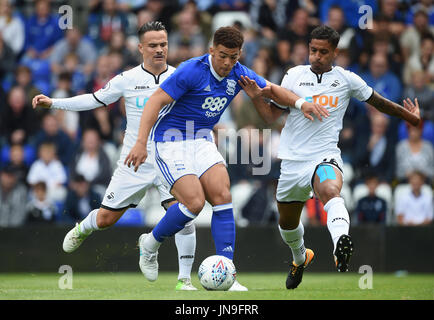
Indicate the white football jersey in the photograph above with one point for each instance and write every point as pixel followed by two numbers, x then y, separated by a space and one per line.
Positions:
pixel 136 86
pixel 302 139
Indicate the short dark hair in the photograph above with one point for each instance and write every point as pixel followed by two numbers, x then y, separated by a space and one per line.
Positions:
pixel 151 26
pixel 229 37
pixel 326 33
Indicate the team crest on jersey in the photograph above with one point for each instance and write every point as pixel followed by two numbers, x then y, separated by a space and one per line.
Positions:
pixel 335 83
pixel 230 87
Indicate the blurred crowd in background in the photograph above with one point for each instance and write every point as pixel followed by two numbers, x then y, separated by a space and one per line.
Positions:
pixel 55 165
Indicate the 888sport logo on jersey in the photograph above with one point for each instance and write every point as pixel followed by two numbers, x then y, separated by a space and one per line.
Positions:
pixel 214 105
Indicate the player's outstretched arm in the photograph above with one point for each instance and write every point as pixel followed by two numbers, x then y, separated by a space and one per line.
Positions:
pixel 269 112
pixel 410 112
pixel 138 153
pixel 266 110
pixel 77 103
pixel 286 97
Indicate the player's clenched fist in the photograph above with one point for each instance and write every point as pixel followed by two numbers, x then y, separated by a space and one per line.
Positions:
pixel 137 156
pixel 41 101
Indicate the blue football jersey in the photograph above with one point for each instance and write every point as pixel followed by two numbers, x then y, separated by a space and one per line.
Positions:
pixel 201 96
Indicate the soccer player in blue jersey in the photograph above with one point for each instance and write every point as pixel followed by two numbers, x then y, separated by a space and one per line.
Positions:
pixel 191 102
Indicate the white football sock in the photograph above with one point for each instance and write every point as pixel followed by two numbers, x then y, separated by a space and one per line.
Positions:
pixel 338 219
pixel 88 225
pixel 151 244
pixel 185 241
pixel 294 239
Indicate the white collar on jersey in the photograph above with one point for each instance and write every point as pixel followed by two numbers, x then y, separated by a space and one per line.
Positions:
pixel 214 73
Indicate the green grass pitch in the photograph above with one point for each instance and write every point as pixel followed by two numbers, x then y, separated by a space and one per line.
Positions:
pixel 262 286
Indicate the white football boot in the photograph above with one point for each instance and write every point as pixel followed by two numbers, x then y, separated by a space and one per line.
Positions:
pixel 238 287
pixel 185 285
pixel 148 260
pixel 74 238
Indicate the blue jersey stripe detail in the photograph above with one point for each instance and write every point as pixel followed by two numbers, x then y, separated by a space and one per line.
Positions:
pixel 163 167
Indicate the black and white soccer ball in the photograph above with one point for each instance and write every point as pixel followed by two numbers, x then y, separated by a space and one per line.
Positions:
pixel 217 273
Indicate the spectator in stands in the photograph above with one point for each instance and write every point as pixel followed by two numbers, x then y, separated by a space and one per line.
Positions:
pixel 386 43
pixel 419 88
pixel 371 209
pixel 102 74
pixel 414 154
pixel 18 120
pixel 13 199
pixel 81 199
pixel 297 29
pixel 11 27
pixel 230 5
pixel 74 42
pixel 411 38
pixel 424 5
pixel 7 61
pixel 389 9
pixel 42 31
pixel 350 8
pixel 51 132
pixel 49 169
pixel 106 22
pixel 336 20
pixel 17 162
pixel 424 61
pixel 375 151
pixel 23 78
pixel 131 5
pixel 299 54
pixel 269 17
pixel 186 41
pixel 78 78
pixel 40 209
pixel 118 45
pixel 68 120
pixel 381 79
pixel 92 162
pixel 415 208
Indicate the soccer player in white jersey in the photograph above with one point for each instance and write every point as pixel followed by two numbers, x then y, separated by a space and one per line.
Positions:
pixel 311 160
pixel 128 187
pixel 195 96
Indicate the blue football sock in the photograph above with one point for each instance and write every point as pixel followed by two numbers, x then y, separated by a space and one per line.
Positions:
pixel 223 230
pixel 173 221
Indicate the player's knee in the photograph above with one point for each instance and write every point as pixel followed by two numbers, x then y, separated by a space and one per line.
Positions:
pixel 105 220
pixel 330 192
pixel 222 197
pixel 196 205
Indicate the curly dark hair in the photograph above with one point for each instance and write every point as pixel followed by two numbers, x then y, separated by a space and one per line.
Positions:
pixel 229 37
pixel 326 33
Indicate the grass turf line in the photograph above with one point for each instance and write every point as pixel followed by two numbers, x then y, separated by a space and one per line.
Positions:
pixel 262 286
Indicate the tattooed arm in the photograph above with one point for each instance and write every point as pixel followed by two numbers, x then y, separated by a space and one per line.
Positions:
pixel 410 112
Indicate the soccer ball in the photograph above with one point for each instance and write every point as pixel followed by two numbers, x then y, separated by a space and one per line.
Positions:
pixel 217 273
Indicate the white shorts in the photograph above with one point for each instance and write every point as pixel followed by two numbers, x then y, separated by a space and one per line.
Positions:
pixel 296 177
pixel 128 187
pixel 175 159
